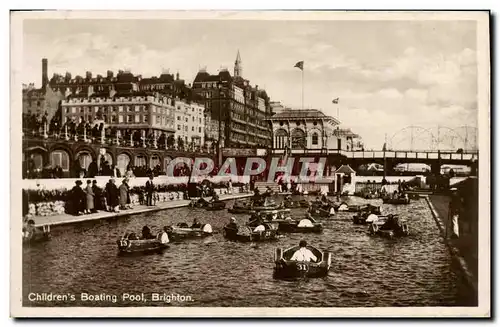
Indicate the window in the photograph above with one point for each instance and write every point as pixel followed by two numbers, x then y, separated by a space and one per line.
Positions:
pixel 158 119
pixel 192 118
pixel 136 108
pixel 120 119
pixel 113 119
pixel 199 129
pixel 60 158
pixel 200 120
pixel 73 110
pixel 145 118
pixel 315 139
pixel 130 119
pixel 192 128
pixel 186 119
pixel 137 119
pixel 178 127
pixel 178 117
pixel 185 128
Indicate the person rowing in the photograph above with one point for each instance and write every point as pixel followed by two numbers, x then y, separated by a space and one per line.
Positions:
pixel 392 223
pixel 232 224
pixel 303 254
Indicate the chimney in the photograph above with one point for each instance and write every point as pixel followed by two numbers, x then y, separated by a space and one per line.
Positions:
pixel 67 77
pixel 109 74
pixel 88 75
pixel 177 76
pixel 45 76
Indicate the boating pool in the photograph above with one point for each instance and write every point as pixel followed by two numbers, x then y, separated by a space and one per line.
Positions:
pixel 366 271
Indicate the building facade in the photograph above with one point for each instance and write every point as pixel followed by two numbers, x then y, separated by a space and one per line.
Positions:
pixel 305 129
pixel 237 111
pixel 190 123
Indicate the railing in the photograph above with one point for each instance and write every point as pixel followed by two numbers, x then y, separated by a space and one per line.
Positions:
pixel 401 154
pixel 134 140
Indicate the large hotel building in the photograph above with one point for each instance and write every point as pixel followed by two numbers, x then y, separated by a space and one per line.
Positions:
pixel 237 111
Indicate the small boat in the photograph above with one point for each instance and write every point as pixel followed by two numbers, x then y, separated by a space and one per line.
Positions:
pixel 36 235
pixel 355 207
pixel 130 244
pixel 401 200
pixel 216 205
pixel 262 233
pixel 288 269
pixel 242 207
pixel 268 204
pixel 322 211
pixel 302 226
pixel 183 231
pixel 377 228
pixel 363 216
pixel 287 224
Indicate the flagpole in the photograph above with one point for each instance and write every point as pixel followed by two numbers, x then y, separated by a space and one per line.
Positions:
pixel 302 87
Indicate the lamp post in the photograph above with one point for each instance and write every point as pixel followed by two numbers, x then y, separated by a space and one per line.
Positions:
pixel 219 145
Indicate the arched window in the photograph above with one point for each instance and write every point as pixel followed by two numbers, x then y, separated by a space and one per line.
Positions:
pixel 166 161
pixel 122 161
pixel 280 139
pixel 155 160
pixel 85 159
pixel 60 158
pixel 140 161
pixel 298 139
pixel 314 138
pixel 37 159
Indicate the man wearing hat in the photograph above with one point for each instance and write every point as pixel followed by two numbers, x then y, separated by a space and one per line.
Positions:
pixel 150 188
pixel 454 210
pixel 78 199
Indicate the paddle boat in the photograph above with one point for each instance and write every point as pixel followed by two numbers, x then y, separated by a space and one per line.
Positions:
pixel 389 227
pixel 262 233
pixel 286 223
pixel 130 243
pixel 362 216
pixel 33 235
pixel 321 210
pixel 183 231
pixel 396 200
pixel 267 204
pixel 241 207
pixel 357 207
pixel 285 268
pixel 215 205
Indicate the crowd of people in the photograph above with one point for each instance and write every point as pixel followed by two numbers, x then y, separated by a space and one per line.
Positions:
pixel 91 198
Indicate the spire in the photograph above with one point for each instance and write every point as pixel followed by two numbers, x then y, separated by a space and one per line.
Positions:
pixel 238 69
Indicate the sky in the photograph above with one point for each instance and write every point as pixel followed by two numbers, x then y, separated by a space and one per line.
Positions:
pixel 388 75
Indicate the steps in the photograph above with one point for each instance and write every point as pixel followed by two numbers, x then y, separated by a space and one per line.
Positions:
pixel 262 186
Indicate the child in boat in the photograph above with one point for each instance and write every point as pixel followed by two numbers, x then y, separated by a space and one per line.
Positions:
pixel 232 224
pixel 146 233
pixel 196 224
pixel 303 253
pixel 392 223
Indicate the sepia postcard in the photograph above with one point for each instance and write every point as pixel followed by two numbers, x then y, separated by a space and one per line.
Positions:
pixel 250 164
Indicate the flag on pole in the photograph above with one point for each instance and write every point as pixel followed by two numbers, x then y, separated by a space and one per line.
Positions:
pixel 299 65
pixel 335 101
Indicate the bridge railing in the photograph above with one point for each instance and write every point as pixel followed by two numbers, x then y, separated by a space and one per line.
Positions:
pixel 401 154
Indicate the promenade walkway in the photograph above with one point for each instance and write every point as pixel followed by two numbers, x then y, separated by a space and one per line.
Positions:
pixel 466 246
pixel 70 219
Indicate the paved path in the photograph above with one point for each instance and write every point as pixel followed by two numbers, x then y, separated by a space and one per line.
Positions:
pixel 69 219
pixel 466 243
